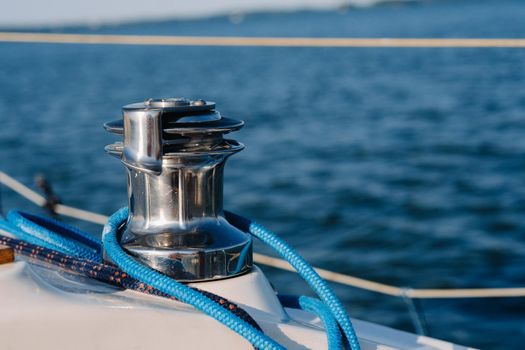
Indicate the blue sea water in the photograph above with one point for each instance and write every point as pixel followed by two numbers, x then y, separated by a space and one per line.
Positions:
pixel 404 166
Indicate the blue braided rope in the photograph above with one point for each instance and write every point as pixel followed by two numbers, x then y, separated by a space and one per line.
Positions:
pixel 306 271
pixel 10 228
pixel 331 327
pixel 176 289
pixel 65 230
pixel 318 308
pixel 42 232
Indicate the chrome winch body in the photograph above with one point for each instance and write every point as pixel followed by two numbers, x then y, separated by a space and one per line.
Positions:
pixel 174 152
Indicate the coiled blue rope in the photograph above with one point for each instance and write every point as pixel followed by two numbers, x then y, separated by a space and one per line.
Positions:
pixel 49 233
pixel 318 308
pixel 100 271
pixel 304 269
pixel 174 288
pixel 58 236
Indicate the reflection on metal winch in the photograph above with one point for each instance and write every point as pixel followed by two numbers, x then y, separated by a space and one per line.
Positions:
pixel 174 152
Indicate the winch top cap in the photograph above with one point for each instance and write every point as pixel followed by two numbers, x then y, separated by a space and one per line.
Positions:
pixel 173 104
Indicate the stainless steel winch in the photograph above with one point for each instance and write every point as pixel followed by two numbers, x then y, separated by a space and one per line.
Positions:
pixel 175 152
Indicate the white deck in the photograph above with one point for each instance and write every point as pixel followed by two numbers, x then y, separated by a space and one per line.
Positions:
pixel 45 309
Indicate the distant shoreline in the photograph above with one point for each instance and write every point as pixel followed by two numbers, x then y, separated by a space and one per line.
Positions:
pixel 102 17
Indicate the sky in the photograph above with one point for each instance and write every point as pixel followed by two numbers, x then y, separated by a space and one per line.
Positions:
pixel 20 13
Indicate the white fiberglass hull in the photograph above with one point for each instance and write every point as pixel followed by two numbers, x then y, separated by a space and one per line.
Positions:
pixel 46 309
